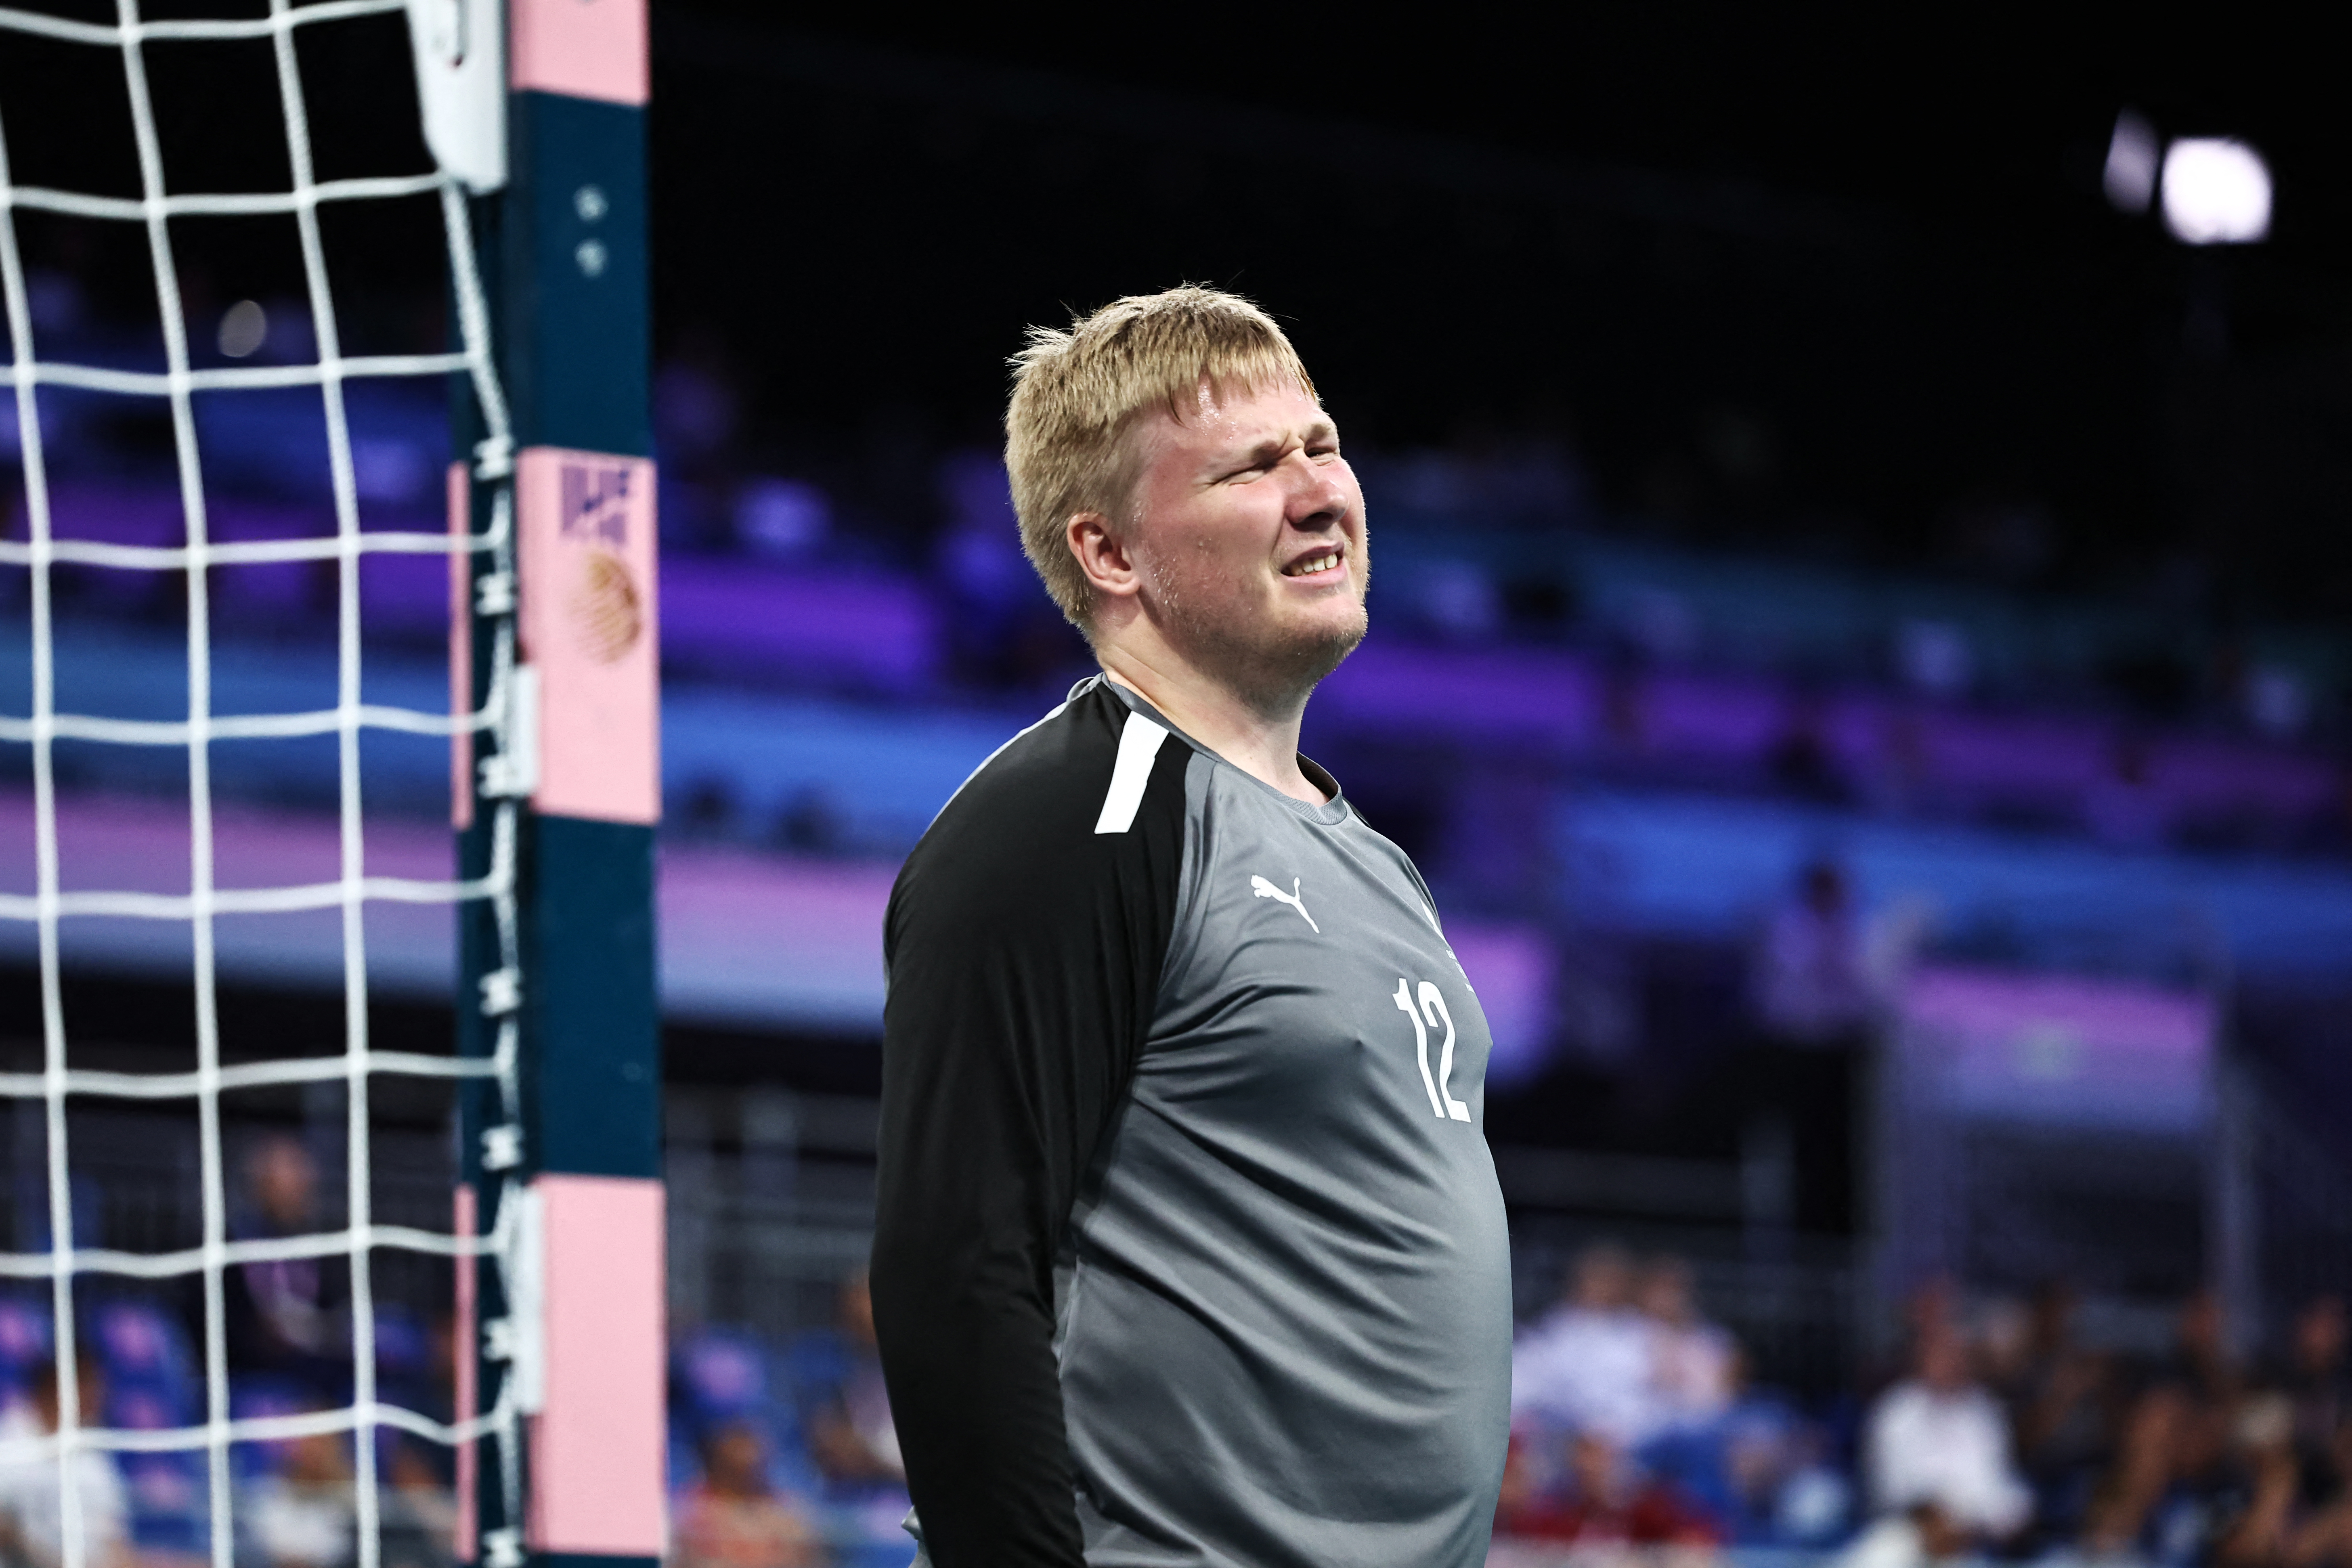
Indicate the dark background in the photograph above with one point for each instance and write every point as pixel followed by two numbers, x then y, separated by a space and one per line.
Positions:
pixel 1848 287
pixel 1836 286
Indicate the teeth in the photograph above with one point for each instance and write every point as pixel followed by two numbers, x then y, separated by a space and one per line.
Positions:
pixel 1319 563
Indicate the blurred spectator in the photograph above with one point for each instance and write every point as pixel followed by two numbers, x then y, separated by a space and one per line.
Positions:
pixel 1587 1365
pixel 24 1346
pixel 299 1514
pixel 1605 1501
pixel 1811 985
pixel 31 1485
pixel 732 1517
pixel 286 1316
pixel 1815 984
pixel 2058 1395
pixel 1694 1364
pixel 2204 1375
pixel 851 1435
pixel 2315 1381
pixel 418 1511
pixel 2175 1460
pixel 413 1364
pixel 1778 1488
pixel 1913 1539
pixel 2136 1481
pixel 2003 1340
pixel 2286 1518
pixel 1938 1441
pixel 2267 1528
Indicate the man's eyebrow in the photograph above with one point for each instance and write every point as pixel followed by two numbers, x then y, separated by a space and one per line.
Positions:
pixel 1268 445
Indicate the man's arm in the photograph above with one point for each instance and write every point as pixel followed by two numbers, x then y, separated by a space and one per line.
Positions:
pixel 1024 953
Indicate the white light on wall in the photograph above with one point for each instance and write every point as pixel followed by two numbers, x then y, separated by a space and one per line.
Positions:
pixel 2216 192
pixel 2133 153
pixel 244 328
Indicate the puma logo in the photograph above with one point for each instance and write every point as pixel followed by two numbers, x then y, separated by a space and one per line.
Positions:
pixel 1265 889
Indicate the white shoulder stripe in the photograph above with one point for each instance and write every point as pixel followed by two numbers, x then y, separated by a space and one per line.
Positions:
pixel 1137 744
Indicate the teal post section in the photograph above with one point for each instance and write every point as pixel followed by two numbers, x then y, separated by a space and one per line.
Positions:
pixel 577 251
pixel 597 1105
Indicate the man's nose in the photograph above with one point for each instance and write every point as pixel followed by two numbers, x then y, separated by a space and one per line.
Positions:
pixel 1316 496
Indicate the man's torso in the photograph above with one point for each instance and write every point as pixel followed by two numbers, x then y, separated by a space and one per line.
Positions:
pixel 1285 1305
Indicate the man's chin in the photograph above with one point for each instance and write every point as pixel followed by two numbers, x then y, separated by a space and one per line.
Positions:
pixel 1323 648
pixel 1284 670
pixel 1271 668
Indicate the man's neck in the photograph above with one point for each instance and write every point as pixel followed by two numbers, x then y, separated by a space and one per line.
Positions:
pixel 1264 746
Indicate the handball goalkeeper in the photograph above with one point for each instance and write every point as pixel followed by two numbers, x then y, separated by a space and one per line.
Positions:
pixel 1189 1248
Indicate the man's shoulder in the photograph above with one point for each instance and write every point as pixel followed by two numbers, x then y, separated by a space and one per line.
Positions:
pixel 1087 801
pixel 1093 778
pixel 1044 777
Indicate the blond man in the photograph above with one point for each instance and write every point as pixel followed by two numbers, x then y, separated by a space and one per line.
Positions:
pixel 1189 1248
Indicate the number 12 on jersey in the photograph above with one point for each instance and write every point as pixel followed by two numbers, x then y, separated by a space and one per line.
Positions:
pixel 1430 1013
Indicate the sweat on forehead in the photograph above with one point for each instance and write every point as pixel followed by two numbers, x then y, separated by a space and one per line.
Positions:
pixel 1213 395
pixel 1075 393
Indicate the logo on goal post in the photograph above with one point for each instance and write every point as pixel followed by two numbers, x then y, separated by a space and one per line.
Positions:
pixel 607 608
pixel 590 630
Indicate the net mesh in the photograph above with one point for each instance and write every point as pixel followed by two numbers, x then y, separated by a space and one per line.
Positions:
pixel 65 1266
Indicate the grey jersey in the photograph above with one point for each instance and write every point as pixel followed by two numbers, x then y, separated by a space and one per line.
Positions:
pixel 1281 1287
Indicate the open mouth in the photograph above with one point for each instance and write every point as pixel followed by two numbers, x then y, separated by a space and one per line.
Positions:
pixel 1321 561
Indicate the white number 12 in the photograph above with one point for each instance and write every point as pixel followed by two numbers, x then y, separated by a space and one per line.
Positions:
pixel 1433 1008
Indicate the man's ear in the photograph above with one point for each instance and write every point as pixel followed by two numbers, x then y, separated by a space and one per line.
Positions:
pixel 1110 568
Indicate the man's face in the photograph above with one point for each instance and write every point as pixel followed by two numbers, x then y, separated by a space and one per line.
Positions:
pixel 1246 529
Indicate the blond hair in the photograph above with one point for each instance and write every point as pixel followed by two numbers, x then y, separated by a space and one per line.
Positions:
pixel 1075 395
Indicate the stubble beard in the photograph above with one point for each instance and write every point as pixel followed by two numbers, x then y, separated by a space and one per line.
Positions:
pixel 1271 669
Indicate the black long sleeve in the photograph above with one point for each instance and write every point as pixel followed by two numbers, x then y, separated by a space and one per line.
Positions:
pixel 1024 951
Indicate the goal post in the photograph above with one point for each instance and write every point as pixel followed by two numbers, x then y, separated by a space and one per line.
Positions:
pixel 564 627
pixel 533 111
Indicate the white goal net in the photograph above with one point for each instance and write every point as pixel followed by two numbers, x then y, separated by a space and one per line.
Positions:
pixel 181 885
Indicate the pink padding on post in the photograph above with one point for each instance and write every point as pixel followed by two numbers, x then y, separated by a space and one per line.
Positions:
pixel 597 1448
pixel 461 650
pixel 583 48
pixel 589 628
pixel 468 1389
